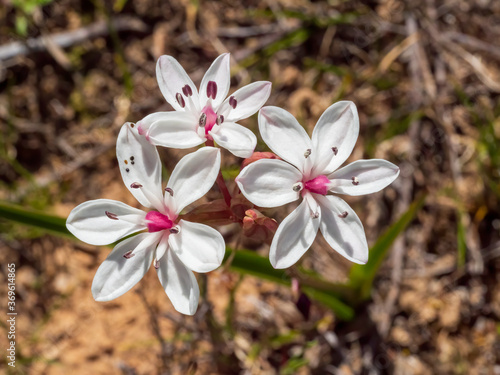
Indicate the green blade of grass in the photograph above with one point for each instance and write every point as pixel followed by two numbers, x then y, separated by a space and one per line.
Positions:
pixel 361 276
pixel 37 219
pixel 248 263
pixel 244 261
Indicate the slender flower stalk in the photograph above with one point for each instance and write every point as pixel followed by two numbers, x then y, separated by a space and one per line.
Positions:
pixel 205 114
pixel 175 246
pixel 309 169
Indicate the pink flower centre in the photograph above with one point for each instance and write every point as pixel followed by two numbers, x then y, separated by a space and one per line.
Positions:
pixel 318 185
pixel 157 221
pixel 211 119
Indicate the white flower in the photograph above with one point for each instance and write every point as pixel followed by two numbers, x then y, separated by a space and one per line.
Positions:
pixel 203 116
pixel 272 183
pixel 177 246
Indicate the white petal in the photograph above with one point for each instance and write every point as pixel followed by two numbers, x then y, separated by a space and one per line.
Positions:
pixel 117 274
pixel 249 99
pixel 193 176
pixel 337 127
pixel 146 122
pixel 284 135
pixel 198 246
pixel 294 236
pixel 219 72
pixel 370 176
pixel 139 163
pixel 239 140
pixel 344 234
pixel 162 247
pixel 172 78
pixel 177 131
pixel 269 182
pixel 179 284
pixel 89 222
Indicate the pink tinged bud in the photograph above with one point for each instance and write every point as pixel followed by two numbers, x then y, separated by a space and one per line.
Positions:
pixel 318 185
pixel 180 99
pixel 233 102
pixel 258 226
pixel 135 185
pixel 111 215
pixel 156 221
pixel 211 89
pixel 257 156
pixel 186 90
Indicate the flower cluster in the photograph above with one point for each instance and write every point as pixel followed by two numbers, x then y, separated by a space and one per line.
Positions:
pixel 300 166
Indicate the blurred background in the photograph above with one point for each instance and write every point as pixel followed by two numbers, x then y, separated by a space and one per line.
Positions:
pixel 425 77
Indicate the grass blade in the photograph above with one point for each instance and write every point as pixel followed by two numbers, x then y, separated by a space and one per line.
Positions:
pixel 248 263
pixel 37 219
pixel 361 276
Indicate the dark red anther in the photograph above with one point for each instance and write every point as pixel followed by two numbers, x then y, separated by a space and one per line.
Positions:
pixel 203 120
pixel 211 89
pixel 170 191
pixel 186 90
pixel 180 100
pixel 111 215
pixel 233 102
pixel 128 254
pixel 135 185
pixel 219 120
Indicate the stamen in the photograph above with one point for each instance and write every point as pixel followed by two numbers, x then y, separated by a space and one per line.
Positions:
pixel 111 215
pixel 211 89
pixel 307 153
pixel 186 90
pixel 175 230
pixel 127 170
pixel 335 150
pixel 132 124
pixel 355 181
pixel 132 158
pixel 219 120
pixel 135 185
pixel 343 215
pixel 298 186
pixel 203 120
pixel 157 264
pixel 180 100
pixel 315 215
pixel 170 191
pixel 126 162
pixel 128 254
pixel 233 102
